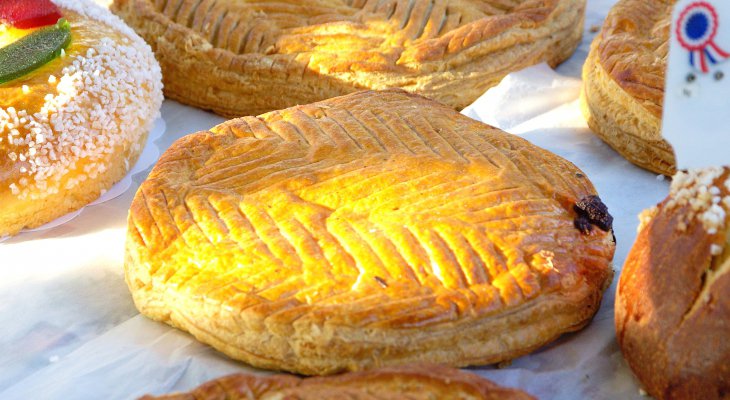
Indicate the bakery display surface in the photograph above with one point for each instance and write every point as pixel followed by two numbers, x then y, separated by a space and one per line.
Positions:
pixel 376 228
pixel 77 100
pixel 245 58
pixel 412 382
pixel 623 82
pixel 71 329
pixel 673 300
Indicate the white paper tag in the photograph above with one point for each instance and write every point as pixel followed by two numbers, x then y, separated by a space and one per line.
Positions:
pixel 697 97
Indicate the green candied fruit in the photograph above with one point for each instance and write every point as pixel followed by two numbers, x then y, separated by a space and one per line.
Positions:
pixel 33 51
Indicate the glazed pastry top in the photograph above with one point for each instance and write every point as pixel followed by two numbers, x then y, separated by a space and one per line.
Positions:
pixel 363 35
pixel 354 203
pixel 633 49
pixel 411 382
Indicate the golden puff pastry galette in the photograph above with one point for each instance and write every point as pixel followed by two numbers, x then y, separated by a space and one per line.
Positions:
pixel 623 88
pixel 248 57
pixel 413 382
pixel 378 228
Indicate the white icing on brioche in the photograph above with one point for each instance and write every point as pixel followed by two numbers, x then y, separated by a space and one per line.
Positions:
pixel 99 102
pixel 93 11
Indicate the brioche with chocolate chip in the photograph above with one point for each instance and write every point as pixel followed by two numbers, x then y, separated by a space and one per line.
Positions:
pixel 73 127
pixel 673 299
pixel 245 58
pixel 407 382
pixel 377 228
pixel 623 82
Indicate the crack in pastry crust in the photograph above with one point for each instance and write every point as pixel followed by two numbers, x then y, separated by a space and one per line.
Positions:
pixel 409 382
pixel 374 228
pixel 624 82
pixel 245 58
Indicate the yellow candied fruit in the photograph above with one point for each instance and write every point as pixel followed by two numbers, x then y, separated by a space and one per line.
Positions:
pixel 8 34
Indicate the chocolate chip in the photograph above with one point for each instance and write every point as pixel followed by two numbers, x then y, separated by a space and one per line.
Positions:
pixel 591 211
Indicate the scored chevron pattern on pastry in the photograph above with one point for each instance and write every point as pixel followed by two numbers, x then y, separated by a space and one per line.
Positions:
pixel 367 211
pixel 241 57
pixel 248 27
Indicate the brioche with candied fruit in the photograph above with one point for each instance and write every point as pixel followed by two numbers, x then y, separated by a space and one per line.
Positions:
pixel 673 298
pixel 78 96
pixel 245 58
pixel 377 228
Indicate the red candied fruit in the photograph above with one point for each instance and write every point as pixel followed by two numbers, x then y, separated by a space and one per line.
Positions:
pixel 27 14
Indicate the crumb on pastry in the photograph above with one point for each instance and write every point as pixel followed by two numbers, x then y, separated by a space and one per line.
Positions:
pixel 591 211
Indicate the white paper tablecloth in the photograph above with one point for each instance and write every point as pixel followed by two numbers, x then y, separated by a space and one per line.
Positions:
pixel 70 329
